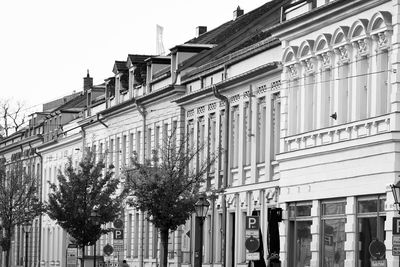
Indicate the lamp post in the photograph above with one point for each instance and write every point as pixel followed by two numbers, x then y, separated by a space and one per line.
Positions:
pixel 95 219
pixel 201 208
pixel 396 195
pixel 27 229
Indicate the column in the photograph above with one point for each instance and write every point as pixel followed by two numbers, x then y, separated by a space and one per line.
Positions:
pixel 350 229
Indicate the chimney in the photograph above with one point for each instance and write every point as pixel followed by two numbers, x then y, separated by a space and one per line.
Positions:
pixel 200 30
pixel 87 82
pixel 237 13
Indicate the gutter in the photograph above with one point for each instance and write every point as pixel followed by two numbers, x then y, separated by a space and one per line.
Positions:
pixel 225 166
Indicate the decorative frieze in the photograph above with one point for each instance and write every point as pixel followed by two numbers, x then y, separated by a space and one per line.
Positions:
pixel 190 113
pixel 200 110
pixel 212 106
pixel 276 85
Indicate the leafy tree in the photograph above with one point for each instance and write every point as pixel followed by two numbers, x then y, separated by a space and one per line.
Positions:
pixel 166 189
pixel 79 192
pixel 19 201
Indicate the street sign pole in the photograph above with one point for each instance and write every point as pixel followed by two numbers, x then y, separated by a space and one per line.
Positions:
pixel 252 242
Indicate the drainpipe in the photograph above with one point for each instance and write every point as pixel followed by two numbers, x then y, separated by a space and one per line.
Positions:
pixel 142 112
pixel 99 120
pixel 40 192
pixel 225 173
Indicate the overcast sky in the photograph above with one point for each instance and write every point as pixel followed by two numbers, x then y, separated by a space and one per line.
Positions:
pixel 47 45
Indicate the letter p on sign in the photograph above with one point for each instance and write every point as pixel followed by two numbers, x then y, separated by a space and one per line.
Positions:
pixel 252 222
pixel 396 226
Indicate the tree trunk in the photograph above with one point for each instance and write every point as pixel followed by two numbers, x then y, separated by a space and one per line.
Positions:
pixel 83 257
pixel 164 247
pixel 7 257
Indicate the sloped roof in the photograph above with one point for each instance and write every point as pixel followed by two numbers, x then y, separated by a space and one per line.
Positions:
pixel 77 102
pixel 134 58
pixel 236 34
pixel 119 66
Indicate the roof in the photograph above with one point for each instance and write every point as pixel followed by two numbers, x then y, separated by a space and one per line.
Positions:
pixel 119 66
pixel 76 102
pixel 134 59
pixel 234 35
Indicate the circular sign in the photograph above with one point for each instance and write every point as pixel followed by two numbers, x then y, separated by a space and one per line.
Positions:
pixel 108 249
pixel 377 249
pixel 252 244
pixel 118 223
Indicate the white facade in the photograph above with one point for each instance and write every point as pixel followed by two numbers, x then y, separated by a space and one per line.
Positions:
pixel 339 130
pixel 55 154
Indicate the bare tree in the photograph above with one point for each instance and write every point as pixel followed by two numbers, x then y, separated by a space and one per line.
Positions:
pixel 12 116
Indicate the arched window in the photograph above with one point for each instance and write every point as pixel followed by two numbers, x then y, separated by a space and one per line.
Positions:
pixel 380 28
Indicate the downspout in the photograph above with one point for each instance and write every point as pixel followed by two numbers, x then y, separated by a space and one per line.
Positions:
pixel 225 172
pixel 99 120
pixel 142 112
pixel 41 199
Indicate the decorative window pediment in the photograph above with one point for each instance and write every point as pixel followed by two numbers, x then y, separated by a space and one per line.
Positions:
pixel 340 36
pixel 290 55
pixel 380 27
pixel 306 49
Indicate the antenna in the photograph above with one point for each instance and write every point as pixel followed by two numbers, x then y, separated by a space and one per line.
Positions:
pixel 159 40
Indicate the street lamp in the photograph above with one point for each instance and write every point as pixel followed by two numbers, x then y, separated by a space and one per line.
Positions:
pixel 27 229
pixel 201 208
pixel 95 219
pixel 396 195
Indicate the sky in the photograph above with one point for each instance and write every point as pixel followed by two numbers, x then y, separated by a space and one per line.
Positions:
pixel 47 46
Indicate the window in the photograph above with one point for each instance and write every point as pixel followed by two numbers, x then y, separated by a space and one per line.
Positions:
pixel 211 139
pixel 136 237
pixel 138 137
pixel 333 233
pixel 123 151
pixel 117 153
pixel 362 88
pixel 157 138
pixel 371 219
pixel 235 137
pixel 261 130
pixel 344 101
pixel 129 237
pixel 200 143
pixel 276 125
pixel 155 242
pixel 310 104
pixel 294 107
pixel 300 234
pixel 148 143
pixel 247 134
pixel 111 151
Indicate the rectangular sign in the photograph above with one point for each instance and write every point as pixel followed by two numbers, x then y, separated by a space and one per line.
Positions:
pixel 396 225
pixel 396 245
pixel 252 222
pixel 118 245
pixel 378 263
pixel 253 256
pixel 118 234
pixel 72 255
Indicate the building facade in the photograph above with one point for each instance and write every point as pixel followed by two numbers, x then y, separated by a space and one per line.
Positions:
pixel 338 132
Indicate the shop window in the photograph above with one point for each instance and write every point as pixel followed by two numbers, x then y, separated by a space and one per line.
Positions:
pixel 370 226
pixel 333 233
pixel 300 234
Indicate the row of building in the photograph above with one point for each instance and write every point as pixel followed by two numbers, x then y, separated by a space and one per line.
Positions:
pixel 302 95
